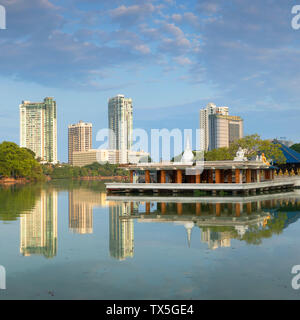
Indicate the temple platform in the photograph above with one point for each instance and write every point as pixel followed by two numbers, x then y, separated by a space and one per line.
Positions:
pixel 278 184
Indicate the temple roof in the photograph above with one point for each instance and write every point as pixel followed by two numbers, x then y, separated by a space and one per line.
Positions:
pixel 291 155
pixel 228 164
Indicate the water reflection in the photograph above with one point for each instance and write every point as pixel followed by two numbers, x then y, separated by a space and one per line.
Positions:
pixel 219 220
pixel 81 205
pixel 121 232
pixel 38 228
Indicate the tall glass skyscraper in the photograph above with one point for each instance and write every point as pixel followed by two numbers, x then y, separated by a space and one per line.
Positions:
pixel 38 128
pixel 120 125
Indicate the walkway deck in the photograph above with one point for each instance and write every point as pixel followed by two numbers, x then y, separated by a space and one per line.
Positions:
pixel 279 183
pixel 186 199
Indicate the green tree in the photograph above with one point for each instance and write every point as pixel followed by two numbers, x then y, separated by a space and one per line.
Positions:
pixel 18 162
pixel 296 147
pixel 253 144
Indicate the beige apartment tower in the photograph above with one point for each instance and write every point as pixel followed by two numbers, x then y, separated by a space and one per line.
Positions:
pixel 205 113
pixel 79 139
pixel 217 128
pixel 224 130
pixel 38 129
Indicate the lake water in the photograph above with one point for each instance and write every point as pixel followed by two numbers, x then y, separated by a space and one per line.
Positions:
pixel 68 240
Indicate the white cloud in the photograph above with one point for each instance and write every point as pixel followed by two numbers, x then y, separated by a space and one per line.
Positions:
pixel 142 48
pixel 183 61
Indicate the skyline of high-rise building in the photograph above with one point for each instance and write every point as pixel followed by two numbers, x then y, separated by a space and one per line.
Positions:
pixel 210 109
pixel 38 128
pixel 224 130
pixel 217 128
pixel 120 123
pixel 79 139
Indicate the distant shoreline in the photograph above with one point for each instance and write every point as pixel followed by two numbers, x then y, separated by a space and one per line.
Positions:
pixel 14 181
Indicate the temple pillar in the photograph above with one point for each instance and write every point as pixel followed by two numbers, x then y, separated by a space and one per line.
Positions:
pixel 248 176
pixel 218 175
pixel 131 176
pixel 162 176
pixel 178 176
pixel 198 178
pixel 237 175
pixel 147 176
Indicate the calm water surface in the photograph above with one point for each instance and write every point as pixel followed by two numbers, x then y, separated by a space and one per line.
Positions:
pixel 70 241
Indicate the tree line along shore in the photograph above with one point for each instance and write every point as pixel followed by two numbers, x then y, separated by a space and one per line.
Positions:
pixel 19 165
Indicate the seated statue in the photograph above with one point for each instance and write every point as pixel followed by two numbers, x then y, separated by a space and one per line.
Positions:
pixel 264 159
pixel 240 155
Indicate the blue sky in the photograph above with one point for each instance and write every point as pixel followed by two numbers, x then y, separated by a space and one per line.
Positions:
pixel 171 57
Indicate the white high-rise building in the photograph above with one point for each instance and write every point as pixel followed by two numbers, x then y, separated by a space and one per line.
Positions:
pixel 210 109
pixel 121 125
pixel 38 129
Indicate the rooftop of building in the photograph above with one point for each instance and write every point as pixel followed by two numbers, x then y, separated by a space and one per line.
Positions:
pixel 227 117
pixel 27 102
pixel 291 155
pixel 80 123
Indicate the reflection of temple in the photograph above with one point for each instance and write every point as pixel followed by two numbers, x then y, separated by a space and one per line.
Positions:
pixel 81 205
pixel 38 228
pixel 219 219
pixel 121 232
pixel 215 239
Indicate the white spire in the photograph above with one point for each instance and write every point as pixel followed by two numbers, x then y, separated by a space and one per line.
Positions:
pixel 188 155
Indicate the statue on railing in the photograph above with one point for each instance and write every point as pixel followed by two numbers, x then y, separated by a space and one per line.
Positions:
pixel 264 159
pixel 240 155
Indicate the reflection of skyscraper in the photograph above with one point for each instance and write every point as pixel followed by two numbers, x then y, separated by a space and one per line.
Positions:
pixel 80 214
pixel 81 205
pixel 121 232
pixel 39 227
pixel 215 239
